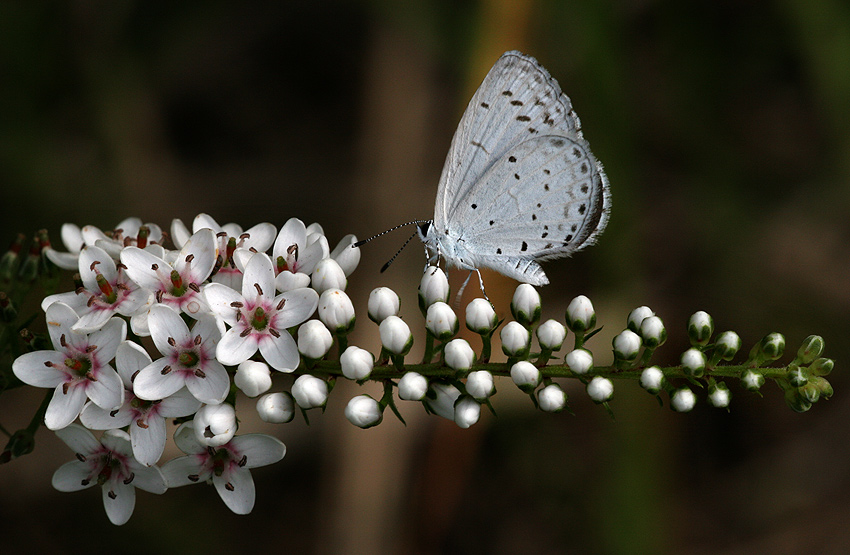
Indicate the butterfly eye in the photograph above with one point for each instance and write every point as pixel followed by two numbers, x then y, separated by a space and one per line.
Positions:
pixel 423 228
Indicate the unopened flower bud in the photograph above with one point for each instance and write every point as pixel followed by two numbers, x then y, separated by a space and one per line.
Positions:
pixel 347 255
pixel 752 380
pixel 552 398
pixel 700 328
pixel 412 386
pixel 336 311
pixel 356 363
pixel 215 424
pixel 433 287
pixel 383 302
pixel 719 395
pixel 441 321
pixel 580 361
pixel 727 345
pixel 652 332
pixel 600 389
pixel 310 392
pixel 811 349
pixel 253 378
pixel 525 375
pixel 480 385
pixel 810 392
pixel 364 412
pixel 441 400
pixel 821 367
pixel 395 335
pixel 822 385
pixel 459 355
pixel 480 316
pixel 551 335
pixel 652 379
pixel 626 345
pixel 693 363
pixel 797 376
pixel 328 275
pixel 637 316
pixel 580 315
pixel 525 305
pixel 772 346
pixel 683 400
pixel 276 408
pixel 797 401
pixel 314 340
pixel 515 340
pixel 467 411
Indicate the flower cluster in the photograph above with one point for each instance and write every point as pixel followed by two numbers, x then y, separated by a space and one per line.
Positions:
pixel 227 311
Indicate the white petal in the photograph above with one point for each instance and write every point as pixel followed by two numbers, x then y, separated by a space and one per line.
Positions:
pixel 205 221
pixel 151 384
pixel 64 408
pixel 78 439
pixel 166 324
pixel 65 260
pixel 148 443
pixel 93 320
pixel 259 449
pixel 149 479
pixel 70 476
pixel 311 256
pixel 207 327
pixel 139 324
pixel 220 299
pixel 293 232
pixel 280 352
pixel 179 232
pixel 107 340
pixel 108 391
pixel 181 403
pixel 300 305
pixel 71 298
pixel 30 368
pixel 185 439
pixel 140 264
pixel 201 249
pixel 129 359
pixel 91 234
pixel 258 272
pixel 72 237
pixel 120 508
pixel 213 388
pixel 260 237
pixel 94 261
pixel 60 317
pixel 287 281
pixel 347 257
pixel 95 418
pixel 233 348
pixel 177 471
pixel 241 499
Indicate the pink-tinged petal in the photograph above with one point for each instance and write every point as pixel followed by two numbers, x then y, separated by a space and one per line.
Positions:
pixel 78 439
pixel 238 491
pixel 259 449
pixel 182 403
pixel 260 237
pixel 293 232
pixel 312 255
pixel 64 407
pixel 31 368
pixel 94 260
pixel 220 299
pixel 148 443
pixel 208 328
pixel 149 479
pixel 280 352
pixel 92 234
pixel 177 471
pixel 70 477
pixel 213 387
pixel 300 305
pixel 71 298
pixel 187 442
pixel 258 278
pixel 60 317
pixel 119 500
pixel 151 384
pixel 200 249
pixel 179 232
pixel 92 320
pixel 140 265
pixel 95 418
pixel 107 340
pixel 166 324
pixel 129 359
pixel 234 348
pixel 108 391
pixel 205 221
pixel 287 281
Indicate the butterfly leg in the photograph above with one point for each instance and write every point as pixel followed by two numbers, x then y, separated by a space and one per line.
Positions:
pixel 466 281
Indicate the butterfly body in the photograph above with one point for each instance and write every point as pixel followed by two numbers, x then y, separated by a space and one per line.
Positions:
pixel 520 184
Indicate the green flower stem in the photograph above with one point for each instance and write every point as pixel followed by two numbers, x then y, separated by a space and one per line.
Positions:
pixel 429 349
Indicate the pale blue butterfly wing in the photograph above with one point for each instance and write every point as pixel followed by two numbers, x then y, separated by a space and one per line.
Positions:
pixel 520 183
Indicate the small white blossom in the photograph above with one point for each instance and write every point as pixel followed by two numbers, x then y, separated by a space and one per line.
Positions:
pixel 383 302
pixel 652 379
pixel 719 395
pixel 328 275
pixel 336 311
pixel 442 403
pixel 364 412
pixel 480 385
pixel 580 361
pixel 752 380
pixel 683 400
pixel 253 377
pixel 600 389
pixel 356 363
pixel 626 345
pixel 314 339
pixel 310 392
pixel 395 335
pixel 637 316
pixel 693 363
pixel 480 316
pixel 467 412
pixel 551 335
pixel 515 339
pixel 727 345
pixel 652 332
pixel 525 375
pixel 441 321
pixel 276 408
pixel 293 259
pixel 433 287
pixel 412 386
pixel 552 398
pixel 700 327
pixel 215 424
pixel 459 355
pixel 580 315
pixel 525 305
pixel 347 255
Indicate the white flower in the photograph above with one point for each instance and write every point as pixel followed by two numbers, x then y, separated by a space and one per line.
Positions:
pixel 683 400
pixel 106 291
pixel 276 408
pixel 580 315
pixel 310 392
pixel 551 335
pixel 146 419
pixel 412 386
pixel 480 316
pixel 580 361
pixel 600 389
pixel 459 355
pixel 328 275
pixel 293 259
pixel 515 339
pixel 110 464
pixel 336 311
pixel 652 379
pixel 226 467
pixel 347 255
pixel 552 398
pixel 433 287
pixel 700 327
pixel 719 395
pixel 626 345
pixel 356 363
pixel 752 380
pixel 441 321
pixel 258 319
pixel 693 363
pixel 130 232
pixel 395 335
pixel 525 305
pixel 383 302
pixel 467 412
pixel 78 369
pixel 188 359
pixel 441 400
pixel 215 424
pixel 637 316
pixel 253 378
pixel 525 375
pixel 480 385
pixel 314 340
pixel 364 412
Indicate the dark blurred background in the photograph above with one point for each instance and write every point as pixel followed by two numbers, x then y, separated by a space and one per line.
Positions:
pixel 723 127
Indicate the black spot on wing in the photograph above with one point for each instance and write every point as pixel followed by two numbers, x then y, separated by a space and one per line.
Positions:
pixel 485 105
pixel 516 102
pixel 524 246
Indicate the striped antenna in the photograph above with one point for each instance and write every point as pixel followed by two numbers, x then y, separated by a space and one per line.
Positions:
pixel 364 241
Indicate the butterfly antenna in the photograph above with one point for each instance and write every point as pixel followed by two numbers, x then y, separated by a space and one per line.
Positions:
pixel 390 261
pixel 364 241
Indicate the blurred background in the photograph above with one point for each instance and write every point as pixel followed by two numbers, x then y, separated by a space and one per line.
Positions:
pixel 723 127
